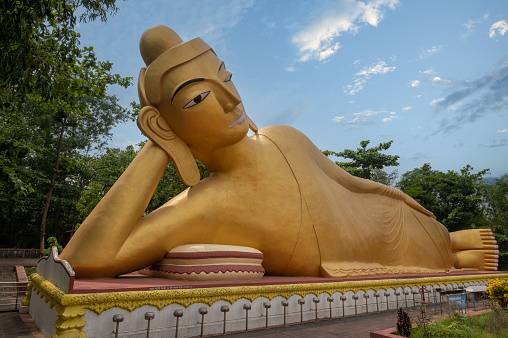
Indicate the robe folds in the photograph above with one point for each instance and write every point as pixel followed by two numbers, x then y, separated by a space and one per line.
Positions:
pixel 360 227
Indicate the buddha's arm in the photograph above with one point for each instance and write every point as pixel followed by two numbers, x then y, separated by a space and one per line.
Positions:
pixel 361 185
pixel 108 226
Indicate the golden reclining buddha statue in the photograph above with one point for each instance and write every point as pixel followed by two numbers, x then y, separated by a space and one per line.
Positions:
pixel 274 191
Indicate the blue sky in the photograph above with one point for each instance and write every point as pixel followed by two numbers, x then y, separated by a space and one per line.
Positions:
pixel 430 75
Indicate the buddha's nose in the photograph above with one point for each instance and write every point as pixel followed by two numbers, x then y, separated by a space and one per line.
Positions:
pixel 228 99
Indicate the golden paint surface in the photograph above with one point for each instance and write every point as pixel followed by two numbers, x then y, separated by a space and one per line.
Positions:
pixel 274 191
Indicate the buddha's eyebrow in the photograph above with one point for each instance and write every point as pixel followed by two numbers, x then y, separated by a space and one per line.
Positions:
pixel 185 84
pixel 220 67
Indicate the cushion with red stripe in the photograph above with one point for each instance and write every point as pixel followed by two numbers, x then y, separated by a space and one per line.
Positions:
pixel 209 262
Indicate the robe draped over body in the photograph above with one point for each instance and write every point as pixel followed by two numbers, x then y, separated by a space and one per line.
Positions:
pixel 366 228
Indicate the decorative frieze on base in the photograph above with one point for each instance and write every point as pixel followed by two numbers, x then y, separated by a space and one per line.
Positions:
pixel 91 315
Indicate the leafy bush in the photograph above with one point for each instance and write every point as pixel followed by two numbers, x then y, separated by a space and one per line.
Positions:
pixel 423 321
pixel 498 292
pixel 52 241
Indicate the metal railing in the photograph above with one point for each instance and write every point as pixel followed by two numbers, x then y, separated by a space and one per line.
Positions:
pixel 11 295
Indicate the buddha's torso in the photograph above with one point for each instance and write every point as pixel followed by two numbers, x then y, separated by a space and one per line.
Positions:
pixel 259 206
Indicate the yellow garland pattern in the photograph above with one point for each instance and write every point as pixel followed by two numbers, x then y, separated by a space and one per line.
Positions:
pixel 99 302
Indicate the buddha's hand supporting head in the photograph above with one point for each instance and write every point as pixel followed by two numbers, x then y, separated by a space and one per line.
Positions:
pixel 188 98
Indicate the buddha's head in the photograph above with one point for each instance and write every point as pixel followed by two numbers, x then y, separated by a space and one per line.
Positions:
pixel 188 98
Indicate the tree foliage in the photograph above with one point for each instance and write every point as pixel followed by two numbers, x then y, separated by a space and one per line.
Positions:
pixel 36 130
pixel 453 197
pixel 368 162
pixel 44 70
pixel 39 47
pixel 495 210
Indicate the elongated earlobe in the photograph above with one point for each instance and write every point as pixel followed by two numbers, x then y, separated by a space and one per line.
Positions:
pixel 153 125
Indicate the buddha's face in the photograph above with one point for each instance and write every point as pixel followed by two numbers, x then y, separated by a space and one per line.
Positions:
pixel 201 104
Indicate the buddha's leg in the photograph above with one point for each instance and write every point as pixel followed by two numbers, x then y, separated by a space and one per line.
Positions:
pixel 475 249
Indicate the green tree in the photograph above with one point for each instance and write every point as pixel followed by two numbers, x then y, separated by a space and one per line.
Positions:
pixel 495 208
pixel 41 59
pixel 37 128
pixel 38 44
pixel 368 162
pixel 40 56
pixel 453 197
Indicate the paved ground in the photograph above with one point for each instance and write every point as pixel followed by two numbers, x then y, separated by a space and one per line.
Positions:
pixel 356 327
pixel 13 324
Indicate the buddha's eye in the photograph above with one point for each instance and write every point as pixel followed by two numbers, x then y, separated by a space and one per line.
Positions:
pixel 196 100
pixel 228 78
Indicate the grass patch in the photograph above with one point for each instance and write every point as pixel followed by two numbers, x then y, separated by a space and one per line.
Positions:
pixel 487 325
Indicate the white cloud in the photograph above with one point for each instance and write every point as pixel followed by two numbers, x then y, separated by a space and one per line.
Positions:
pixel 325 54
pixel 470 25
pixel 290 69
pixel 362 117
pixel 455 106
pixel 377 68
pixel 428 71
pixel 366 73
pixel 436 101
pixel 500 27
pixel 408 108
pixel 444 82
pixel 429 52
pixel 419 96
pixel 414 83
pixel 391 118
pixel 502 130
pixel 357 61
pixel 317 40
pixel 369 113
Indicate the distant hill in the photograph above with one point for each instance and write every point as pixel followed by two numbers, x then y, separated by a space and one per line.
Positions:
pixel 490 180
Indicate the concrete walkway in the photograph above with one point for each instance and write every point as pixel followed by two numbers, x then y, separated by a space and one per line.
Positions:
pixel 12 323
pixel 357 327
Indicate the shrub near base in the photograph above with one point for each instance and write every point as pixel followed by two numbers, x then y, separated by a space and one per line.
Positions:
pixel 498 292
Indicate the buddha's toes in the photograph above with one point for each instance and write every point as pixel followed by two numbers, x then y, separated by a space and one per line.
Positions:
pixel 475 249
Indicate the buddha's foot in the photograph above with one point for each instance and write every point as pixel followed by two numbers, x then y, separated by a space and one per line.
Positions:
pixel 475 249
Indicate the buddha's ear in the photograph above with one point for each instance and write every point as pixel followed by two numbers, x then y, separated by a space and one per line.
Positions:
pixel 153 125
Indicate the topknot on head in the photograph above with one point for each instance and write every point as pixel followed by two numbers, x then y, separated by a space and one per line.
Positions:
pixel 155 41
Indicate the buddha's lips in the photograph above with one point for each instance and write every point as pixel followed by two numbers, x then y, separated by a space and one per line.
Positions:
pixel 239 120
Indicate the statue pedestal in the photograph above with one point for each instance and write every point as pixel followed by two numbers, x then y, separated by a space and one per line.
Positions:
pixel 63 306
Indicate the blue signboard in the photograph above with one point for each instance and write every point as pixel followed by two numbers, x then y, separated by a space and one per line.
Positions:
pixel 458 301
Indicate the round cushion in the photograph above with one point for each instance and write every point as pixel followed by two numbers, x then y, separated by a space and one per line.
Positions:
pixel 209 262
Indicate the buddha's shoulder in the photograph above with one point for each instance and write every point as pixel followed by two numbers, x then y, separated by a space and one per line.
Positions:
pixel 284 134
